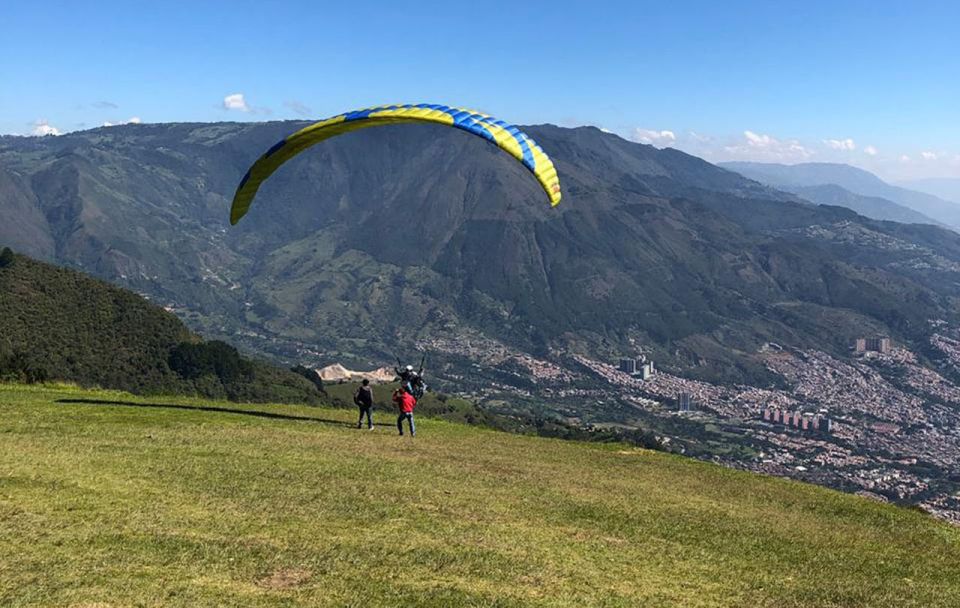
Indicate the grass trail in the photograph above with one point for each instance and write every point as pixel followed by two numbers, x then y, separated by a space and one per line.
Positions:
pixel 106 505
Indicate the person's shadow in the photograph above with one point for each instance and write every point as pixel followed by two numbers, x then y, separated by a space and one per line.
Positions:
pixel 207 408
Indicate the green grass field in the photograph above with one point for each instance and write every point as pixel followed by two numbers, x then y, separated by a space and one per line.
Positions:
pixel 107 504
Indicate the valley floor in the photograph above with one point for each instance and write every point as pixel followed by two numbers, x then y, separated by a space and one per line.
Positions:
pixel 112 500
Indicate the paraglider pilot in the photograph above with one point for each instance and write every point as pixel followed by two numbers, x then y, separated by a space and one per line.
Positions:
pixel 412 380
pixel 407 377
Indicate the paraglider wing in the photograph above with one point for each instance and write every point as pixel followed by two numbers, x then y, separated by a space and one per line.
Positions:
pixel 507 137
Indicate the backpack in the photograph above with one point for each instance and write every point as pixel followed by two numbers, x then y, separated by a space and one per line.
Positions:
pixel 363 396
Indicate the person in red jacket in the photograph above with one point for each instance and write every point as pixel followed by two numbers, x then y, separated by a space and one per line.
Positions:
pixel 406 403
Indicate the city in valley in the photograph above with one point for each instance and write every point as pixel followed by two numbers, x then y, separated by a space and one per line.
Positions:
pixel 879 422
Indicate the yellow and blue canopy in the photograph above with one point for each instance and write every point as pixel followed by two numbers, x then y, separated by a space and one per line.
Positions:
pixel 505 136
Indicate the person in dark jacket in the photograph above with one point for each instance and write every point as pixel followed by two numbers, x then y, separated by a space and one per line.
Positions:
pixel 405 402
pixel 364 400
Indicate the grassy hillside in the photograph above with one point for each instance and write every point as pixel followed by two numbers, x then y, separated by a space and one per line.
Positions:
pixel 59 324
pixel 112 500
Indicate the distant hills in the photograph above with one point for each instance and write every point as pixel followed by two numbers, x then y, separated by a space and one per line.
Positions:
pixel 865 192
pixel 57 324
pixel 946 188
pixel 389 240
pixel 869 206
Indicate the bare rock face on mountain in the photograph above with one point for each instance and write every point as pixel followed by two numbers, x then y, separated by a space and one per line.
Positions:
pixel 386 238
pixel 337 372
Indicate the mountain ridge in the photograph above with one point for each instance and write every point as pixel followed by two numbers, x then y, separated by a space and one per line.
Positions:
pixel 868 206
pixel 386 236
pixel 850 178
pixel 947 188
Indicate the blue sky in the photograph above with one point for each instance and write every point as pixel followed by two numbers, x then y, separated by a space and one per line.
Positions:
pixel 876 84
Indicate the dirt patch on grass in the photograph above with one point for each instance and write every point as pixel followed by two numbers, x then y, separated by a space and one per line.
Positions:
pixel 285 578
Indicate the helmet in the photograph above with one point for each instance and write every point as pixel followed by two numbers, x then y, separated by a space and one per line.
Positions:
pixel 409 368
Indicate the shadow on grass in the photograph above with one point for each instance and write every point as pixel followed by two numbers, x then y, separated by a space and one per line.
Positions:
pixel 206 408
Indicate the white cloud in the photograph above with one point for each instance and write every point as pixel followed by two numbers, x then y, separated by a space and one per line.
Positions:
pixel 929 155
pixel 298 107
pixel 763 147
pixel 646 136
pixel 904 159
pixel 235 101
pixel 841 144
pixel 870 151
pixel 758 141
pixel 133 120
pixel 42 127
